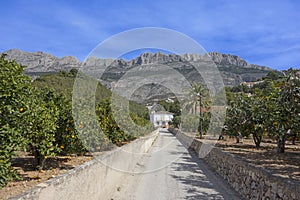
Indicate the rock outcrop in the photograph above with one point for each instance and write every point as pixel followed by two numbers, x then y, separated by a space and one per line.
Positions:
pixel 233 69
pixel 42 62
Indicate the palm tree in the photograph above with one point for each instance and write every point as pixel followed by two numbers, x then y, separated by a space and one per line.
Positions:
pixel 193 95
pixel 197 93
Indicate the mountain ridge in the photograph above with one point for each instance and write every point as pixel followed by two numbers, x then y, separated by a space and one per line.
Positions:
pixel 144 58
pixel 234 69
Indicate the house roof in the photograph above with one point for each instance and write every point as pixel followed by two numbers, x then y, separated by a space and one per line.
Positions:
pixel 163 113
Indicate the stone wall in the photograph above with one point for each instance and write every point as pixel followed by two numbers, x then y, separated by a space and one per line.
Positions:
pixel 97 179
pixel 250 181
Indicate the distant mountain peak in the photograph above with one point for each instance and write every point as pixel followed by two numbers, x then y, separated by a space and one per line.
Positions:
pixel 42 62
pixel 233 68
pixel 230 59
pixel 218 58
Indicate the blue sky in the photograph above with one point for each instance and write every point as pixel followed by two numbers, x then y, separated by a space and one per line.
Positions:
pixel 264 32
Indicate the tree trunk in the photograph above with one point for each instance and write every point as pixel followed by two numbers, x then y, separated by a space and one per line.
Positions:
pixel 238 137
pixel 257 140
pixel 221 137
pixel 39 159
pixel 281 144
pixel 194 109
pixel 294 139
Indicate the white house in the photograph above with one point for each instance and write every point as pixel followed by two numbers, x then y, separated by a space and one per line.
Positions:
pixel 250 84
pixel 161 118
pixel 168 100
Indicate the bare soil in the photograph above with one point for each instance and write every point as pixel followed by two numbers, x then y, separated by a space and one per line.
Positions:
pixel 286 165
pixel 25 165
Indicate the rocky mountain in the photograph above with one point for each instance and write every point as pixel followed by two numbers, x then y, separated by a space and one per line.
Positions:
pixel 218 58
pixel 233 69
pixel 42 62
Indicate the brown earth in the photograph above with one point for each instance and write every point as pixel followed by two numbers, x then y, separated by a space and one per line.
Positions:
pixel 286 165
pixel 25 165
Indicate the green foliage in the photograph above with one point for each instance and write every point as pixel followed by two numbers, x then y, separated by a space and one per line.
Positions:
pixel 273 75
pixel 197 93
pixel 239 70
pixel 176 121
pixel 92 138
pixel 246 116
pixel 173 107
pixel 38 117
pixel 7 138
pixel 265 85
pixel 88 126
pixel 65 140
pixel 205 121
pixel 289 109
pixel 127 127
pixel 108 124
pixel 256 118
pixel 41 116
pixel 241 88
pixel 139 110
pixel 73 72
pixel 190 123
pixel 236 116
pixel 14 91
pixel 63 82
pixel 138 120
pixel 272 109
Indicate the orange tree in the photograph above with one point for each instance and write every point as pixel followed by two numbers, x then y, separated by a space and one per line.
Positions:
pixel 66 135
pixel 41 115
pixel 108 125
pixel 87 125
pixel 126 129
pixel 27 120
pixel 14 92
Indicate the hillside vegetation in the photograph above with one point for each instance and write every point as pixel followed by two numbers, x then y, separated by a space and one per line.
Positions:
pixel 36 117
